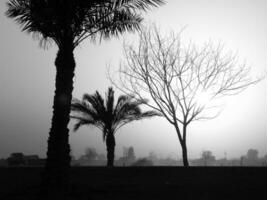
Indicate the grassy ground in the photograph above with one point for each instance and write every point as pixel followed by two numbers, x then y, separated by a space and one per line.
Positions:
pixel 145 182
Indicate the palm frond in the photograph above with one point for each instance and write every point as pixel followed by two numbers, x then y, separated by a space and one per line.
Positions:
pixel 110 101
pixel 149 114
pixel 20 11
pixel 82 108
pixel 119 23
pixel 96 102
pixel 113 17
pixel 78 19
pixel 36 17
pixel 139 4
pixel 128 110
pixel 120 102
pixel 82 121
pixel 119 16
pixel 92 110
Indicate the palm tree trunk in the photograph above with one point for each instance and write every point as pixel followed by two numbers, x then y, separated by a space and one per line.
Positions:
pixel 56 179
pixel 110 143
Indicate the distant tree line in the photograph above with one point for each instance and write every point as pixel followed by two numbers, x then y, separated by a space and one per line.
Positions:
pixel 19 159
pixel 92 158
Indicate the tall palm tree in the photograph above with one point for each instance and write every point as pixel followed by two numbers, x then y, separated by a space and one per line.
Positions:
pixel 94 111
pixel 67 23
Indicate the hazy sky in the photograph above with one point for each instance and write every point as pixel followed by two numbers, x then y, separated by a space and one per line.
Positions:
pixel 27 84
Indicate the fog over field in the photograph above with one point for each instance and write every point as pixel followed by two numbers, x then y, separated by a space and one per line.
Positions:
pixel 28 72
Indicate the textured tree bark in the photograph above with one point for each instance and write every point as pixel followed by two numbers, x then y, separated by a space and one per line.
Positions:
pixel 110 143
pixel 56 177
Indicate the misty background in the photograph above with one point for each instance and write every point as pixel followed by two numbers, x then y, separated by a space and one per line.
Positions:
pixel 27 84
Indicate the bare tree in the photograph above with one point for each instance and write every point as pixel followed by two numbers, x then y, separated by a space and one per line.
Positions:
pixel 182 79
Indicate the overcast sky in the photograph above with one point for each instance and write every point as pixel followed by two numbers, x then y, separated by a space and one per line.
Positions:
pixel 27 79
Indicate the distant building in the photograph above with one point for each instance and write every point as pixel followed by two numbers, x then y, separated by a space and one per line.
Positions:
pixel 252 158
pixel 128 157
pixel 16 159
pixel 19 159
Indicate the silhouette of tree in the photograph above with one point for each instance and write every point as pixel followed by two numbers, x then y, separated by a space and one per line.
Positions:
pixel 93 110
pixel 182 79
pixel 90 153
pixel 152 156
pixel 67 23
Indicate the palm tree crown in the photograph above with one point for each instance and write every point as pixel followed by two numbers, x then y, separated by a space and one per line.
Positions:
pixel 76 20
pixel 93 110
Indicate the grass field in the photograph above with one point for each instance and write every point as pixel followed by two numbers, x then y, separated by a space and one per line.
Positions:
pixel 145 182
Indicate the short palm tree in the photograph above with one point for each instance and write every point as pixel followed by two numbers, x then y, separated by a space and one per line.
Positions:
pixel 67 23
pixel 94 111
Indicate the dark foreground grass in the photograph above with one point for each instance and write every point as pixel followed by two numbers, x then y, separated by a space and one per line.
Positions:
pixel 144 183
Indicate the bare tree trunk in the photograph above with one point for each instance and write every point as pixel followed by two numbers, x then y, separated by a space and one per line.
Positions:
pixel 182 141
pixel 56 177
pixel 110 143
pixel 184 153
pixel 184 146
